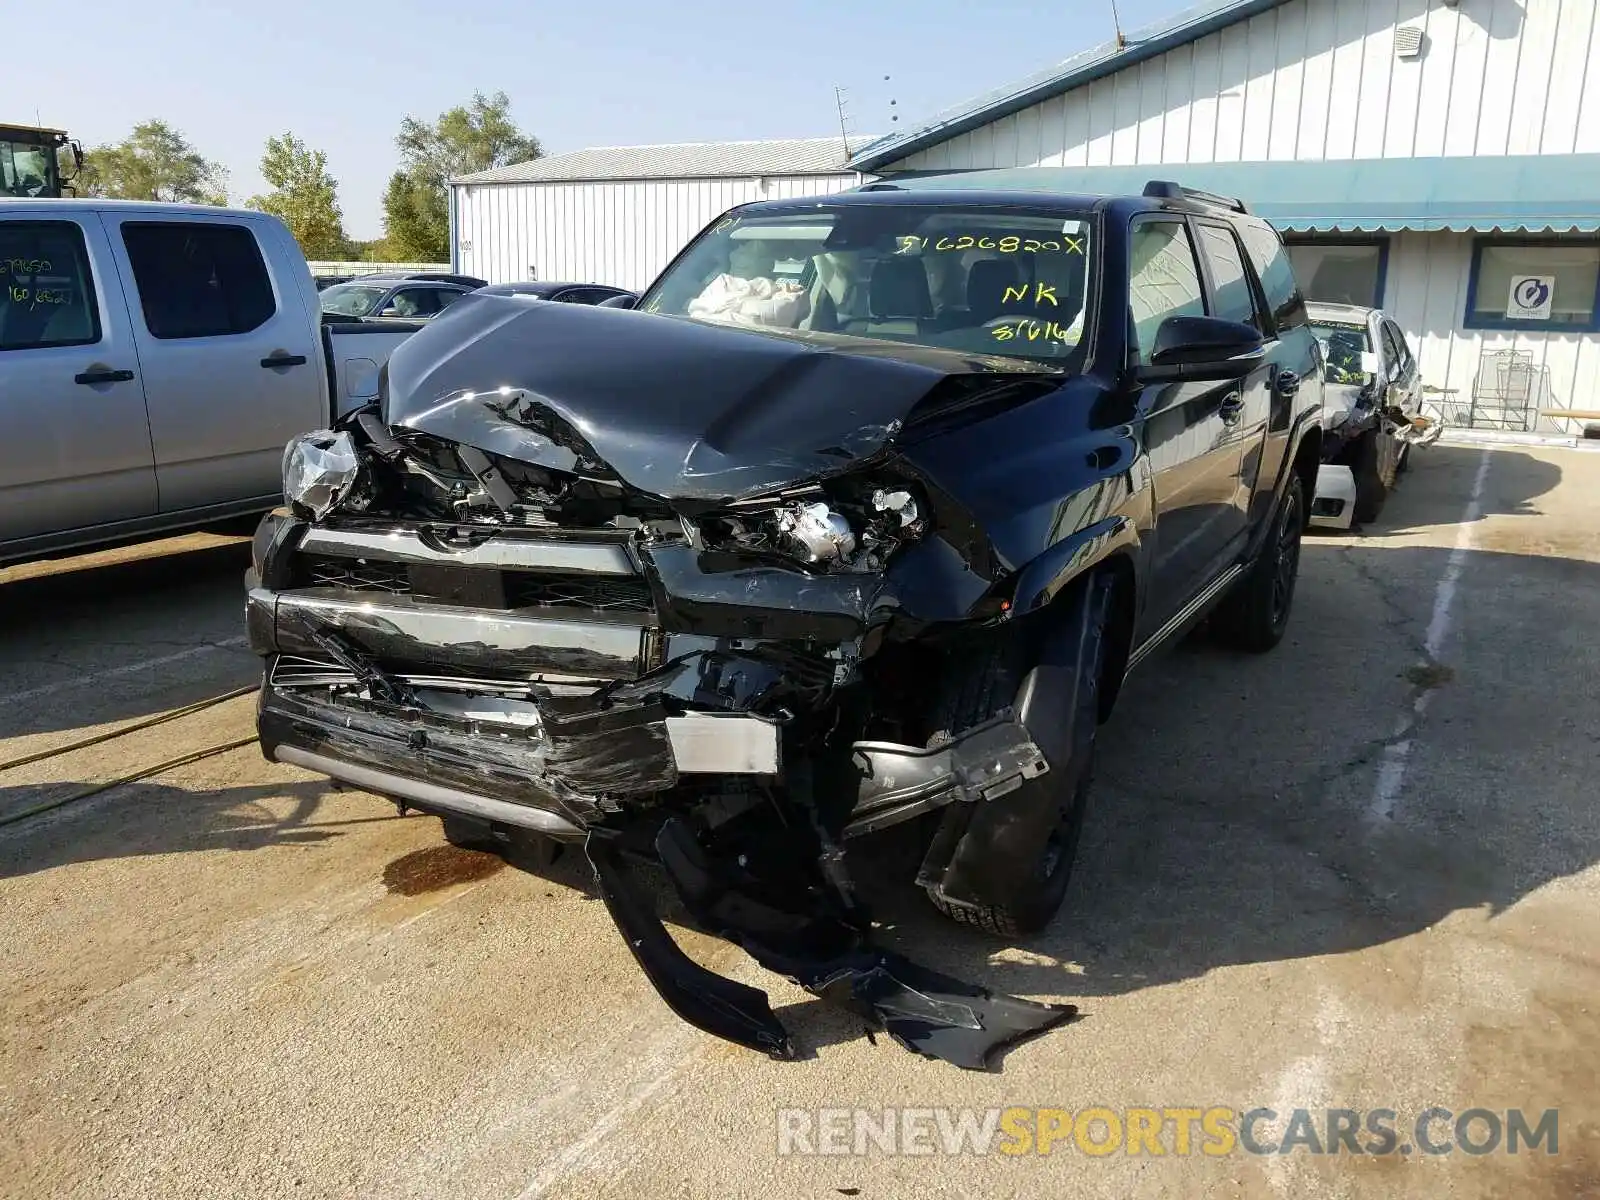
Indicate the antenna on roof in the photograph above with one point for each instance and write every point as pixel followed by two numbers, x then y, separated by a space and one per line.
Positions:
pixel 1116 23
pixel 844 131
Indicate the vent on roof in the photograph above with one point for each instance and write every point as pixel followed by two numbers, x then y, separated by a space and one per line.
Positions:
pixel 1407 41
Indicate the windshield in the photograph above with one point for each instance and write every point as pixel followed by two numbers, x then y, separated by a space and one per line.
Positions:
pixel 25 169
pixel 969 278
pixel 352 299
pixel 1343 346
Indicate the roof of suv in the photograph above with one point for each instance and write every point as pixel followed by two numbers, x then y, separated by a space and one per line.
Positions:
pixel 1045 188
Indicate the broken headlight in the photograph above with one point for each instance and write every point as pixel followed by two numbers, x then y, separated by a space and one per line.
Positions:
pixel 851 529
pixel 322 470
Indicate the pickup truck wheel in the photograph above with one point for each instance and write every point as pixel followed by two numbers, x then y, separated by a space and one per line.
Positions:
pixel 1256 613
pixel 1372 480
pixel 975 694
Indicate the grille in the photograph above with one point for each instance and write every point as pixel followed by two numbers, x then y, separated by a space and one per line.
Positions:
pixel 577 591
pixel 353 576
pixel 523 589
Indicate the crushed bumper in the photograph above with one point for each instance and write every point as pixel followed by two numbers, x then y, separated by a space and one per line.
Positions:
pixel 576 723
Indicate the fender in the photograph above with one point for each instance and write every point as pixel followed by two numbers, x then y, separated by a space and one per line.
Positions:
pixel 1044 578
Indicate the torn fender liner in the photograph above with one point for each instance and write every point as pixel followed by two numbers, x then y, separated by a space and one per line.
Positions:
pixel 933 1014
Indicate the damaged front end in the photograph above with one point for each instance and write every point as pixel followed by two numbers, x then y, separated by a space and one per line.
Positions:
pixel 476 605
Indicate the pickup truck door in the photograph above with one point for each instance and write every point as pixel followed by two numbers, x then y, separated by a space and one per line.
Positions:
pixel 232 357
pixel 1190 433
pixel 74 437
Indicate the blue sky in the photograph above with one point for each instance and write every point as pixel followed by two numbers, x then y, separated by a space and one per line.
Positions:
pixel 342 73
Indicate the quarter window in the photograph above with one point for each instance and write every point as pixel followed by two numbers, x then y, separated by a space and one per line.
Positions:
pixel 1164 280
pixel 46 289
pixel 198 279
pixel 1234 299
pixel 1278 279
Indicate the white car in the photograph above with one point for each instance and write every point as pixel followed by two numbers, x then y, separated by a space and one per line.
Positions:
pixel 1372 412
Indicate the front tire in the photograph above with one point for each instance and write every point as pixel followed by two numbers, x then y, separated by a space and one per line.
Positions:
pixel 1255 614
pixel 1001 681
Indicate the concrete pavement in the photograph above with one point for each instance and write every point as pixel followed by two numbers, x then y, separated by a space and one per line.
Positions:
pixel 1357 873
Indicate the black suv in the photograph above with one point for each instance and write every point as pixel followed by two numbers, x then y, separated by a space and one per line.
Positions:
pixel 859 518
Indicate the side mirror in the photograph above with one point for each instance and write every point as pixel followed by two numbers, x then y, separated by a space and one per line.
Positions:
pixel 626 300
pixel 391 311
pixel 1202 348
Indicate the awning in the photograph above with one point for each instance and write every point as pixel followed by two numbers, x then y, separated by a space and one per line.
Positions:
pixel 1555 193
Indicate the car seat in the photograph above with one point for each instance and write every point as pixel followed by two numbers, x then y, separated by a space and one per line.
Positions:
pixel 898 299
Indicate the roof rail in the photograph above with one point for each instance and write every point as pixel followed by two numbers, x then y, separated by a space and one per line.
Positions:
pixel 880 186
pixel 1167 190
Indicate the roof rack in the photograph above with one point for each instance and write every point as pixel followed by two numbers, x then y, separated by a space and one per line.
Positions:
pixel 1167 190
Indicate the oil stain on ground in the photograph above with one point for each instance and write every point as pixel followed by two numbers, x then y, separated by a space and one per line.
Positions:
pixel 437 867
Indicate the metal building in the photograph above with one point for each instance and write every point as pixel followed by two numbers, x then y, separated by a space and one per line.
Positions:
pixel 618 214
pixel 1440 157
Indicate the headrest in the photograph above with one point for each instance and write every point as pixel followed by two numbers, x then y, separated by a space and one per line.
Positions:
pixel 987 281
pixel 899 290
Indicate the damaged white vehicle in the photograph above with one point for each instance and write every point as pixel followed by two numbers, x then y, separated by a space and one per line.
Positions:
pixel 1373 413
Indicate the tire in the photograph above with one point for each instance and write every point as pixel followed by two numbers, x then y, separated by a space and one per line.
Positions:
pixel 994 682
pixel 1402 462
pixel 1372 488
pixel 468 834
pixel 1255 614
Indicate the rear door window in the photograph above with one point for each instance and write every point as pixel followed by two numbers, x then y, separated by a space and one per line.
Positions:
pixel 1233 297
pixel 198 279
pixel 46 289
pixel 415 302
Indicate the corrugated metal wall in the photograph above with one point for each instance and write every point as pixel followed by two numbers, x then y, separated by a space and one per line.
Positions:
pixel 1426 293
pixel 621 233
pixel 1319 79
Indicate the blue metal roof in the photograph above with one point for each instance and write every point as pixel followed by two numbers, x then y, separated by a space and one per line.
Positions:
pixel 1188 26
pixel 1533 193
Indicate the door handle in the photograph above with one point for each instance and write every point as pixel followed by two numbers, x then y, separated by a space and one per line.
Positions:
pixel 103 375
pixel 284 360
pixel 1288 383
pixel 1232 403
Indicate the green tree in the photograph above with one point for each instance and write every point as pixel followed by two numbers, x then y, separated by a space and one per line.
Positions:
pixel 303 196
pixel 467 138
pixel 154 162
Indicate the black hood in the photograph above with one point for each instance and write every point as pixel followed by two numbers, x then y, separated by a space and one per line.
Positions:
pixel 672 406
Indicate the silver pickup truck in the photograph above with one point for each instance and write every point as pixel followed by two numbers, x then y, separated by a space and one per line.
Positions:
pixel 154 361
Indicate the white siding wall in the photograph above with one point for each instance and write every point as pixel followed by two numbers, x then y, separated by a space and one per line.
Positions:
pixel 622 233
pixel 1426 293
pixel 1318 79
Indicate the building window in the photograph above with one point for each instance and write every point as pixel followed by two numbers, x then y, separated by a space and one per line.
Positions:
pixel 1340 270
pixel 1540 286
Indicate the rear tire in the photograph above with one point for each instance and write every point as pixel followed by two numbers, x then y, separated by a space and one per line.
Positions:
pixel 1255 614
pixel 986 688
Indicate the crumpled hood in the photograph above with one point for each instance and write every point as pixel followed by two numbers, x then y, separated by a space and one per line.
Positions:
pixel 672 406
